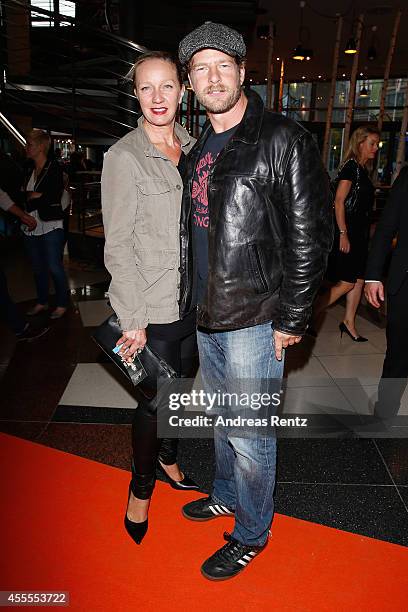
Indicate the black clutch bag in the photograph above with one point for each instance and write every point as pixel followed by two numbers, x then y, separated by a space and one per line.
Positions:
pixel 147 371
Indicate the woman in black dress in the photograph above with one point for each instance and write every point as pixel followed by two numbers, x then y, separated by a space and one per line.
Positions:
pixel 353 205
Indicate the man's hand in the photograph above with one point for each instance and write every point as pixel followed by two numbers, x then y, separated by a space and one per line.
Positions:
pixel 133 341
pixel 282 341
pixel 374 293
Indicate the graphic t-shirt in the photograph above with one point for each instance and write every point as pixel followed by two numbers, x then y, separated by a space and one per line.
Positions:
pixel 200 212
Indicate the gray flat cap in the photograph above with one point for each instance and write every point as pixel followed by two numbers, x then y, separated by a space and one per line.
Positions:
pixel 212 36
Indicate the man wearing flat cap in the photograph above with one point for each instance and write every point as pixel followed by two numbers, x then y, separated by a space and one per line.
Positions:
pixel 255 233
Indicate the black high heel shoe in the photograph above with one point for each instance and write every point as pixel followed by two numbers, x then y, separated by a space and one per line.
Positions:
pixel 187 484
pixel 344 329
pixel 137 531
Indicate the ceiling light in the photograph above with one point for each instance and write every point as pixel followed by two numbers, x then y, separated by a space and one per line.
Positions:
pixel 308 54
pixel 299 53
pixel 351 46
pixel 364 92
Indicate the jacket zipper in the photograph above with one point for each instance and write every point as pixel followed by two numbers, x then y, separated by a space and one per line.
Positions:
pixel 254 248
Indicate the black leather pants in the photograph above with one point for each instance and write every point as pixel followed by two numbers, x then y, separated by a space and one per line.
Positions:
pixel 181 354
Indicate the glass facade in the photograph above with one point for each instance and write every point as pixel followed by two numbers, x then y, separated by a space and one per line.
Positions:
pixel 308 102
pixel 297 100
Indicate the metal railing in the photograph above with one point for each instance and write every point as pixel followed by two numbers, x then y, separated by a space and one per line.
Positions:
pixel 98 103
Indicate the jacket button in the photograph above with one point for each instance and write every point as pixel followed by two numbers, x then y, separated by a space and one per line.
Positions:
pixel 180 269
pixel 178 187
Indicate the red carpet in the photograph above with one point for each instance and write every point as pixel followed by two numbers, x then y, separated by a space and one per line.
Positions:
pixel 61 519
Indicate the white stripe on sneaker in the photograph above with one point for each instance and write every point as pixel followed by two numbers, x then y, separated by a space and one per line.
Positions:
pixel 247 558
pixel 242 562
pixel 213 510
pixel 252 553
pixel 226 510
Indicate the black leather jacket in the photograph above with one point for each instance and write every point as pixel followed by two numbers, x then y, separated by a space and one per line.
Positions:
pixel 270 226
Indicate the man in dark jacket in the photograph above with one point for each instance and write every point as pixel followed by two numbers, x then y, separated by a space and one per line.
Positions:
pixel 394 220
pixel 255 234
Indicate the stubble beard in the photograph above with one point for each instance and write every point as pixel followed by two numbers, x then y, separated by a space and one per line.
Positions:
pixel 219 106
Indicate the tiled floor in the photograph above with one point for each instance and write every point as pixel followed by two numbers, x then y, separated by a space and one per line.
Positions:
pixel 60 391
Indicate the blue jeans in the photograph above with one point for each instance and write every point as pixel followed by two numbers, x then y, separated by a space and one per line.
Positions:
pixel 245 466
pixel 46 253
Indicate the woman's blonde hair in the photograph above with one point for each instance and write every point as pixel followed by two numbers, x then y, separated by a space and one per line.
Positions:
pixel 358 136
pixel 162 55
pixel 40 137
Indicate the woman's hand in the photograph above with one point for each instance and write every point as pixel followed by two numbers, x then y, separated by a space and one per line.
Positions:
pixel 133 341
pixel 29 221
pixel 344 243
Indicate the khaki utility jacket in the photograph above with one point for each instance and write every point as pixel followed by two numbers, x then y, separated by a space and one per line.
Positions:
pixel 141 201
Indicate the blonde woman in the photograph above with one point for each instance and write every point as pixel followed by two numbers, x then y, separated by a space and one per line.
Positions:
pixel 45 242
pixel 141 200
pixel 353 204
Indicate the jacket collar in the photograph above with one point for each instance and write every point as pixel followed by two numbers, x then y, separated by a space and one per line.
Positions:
pixel 150 150
pixel 250 126
pixel 42 174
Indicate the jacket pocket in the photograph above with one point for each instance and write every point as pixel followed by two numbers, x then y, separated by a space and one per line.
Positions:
pixel 154 186
pixel 158 270
pixel 258 275
pixel 50 212
pixel 155 260
pixel 154 218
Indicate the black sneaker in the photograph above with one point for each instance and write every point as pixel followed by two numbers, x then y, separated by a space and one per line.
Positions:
pixel 229 560
pixel 205 509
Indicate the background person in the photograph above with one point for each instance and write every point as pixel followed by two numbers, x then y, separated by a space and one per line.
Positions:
pixel 45 243
pixel 8 310
pixel 349 255
pixel 141 199
pixel 393 221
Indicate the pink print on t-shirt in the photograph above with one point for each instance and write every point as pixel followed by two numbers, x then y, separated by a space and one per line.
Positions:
pixel 199 192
